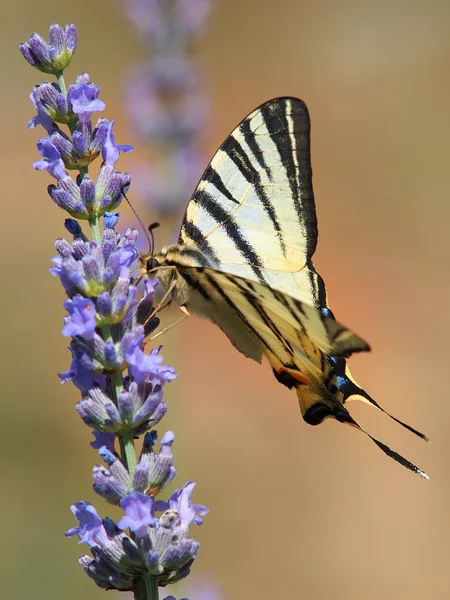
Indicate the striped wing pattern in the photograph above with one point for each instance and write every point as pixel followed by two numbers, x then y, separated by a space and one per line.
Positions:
pixel 244 260
pixel 253 211
pixel 281 325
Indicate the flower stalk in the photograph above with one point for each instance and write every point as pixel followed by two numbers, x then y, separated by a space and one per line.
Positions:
pixel 109 317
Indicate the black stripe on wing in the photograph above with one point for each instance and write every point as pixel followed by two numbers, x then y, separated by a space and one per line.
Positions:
pixel 250 139
pixel 213 283
pixel 194 234
pixel 212 176
pixel 282 115
pixel 248 291
pixel 248 170
pixel 196 285
pixel 232 229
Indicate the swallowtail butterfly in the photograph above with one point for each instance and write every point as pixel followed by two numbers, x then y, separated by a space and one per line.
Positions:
pixel 244 261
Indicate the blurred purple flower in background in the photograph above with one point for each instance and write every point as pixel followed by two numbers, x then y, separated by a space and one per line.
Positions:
pixel 167 99
pixel 110 315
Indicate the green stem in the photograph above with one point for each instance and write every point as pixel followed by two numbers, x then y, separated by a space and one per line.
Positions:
pixel 146 588
pixel 127 451
pixel 94 224
pixel 94 221
pixel 62 84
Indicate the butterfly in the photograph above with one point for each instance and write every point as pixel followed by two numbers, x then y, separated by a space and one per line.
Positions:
pixel 244 261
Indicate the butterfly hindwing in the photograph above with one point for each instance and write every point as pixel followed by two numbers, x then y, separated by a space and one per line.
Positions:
pixel 278 323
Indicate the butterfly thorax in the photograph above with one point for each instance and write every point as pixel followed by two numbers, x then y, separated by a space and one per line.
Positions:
pixel 171 265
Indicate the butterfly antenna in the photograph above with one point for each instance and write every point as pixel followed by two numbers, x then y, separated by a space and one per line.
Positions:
pixel 151 228
pixel 150 238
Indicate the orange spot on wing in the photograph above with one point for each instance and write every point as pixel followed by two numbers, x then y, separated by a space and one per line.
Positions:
pixel 297 375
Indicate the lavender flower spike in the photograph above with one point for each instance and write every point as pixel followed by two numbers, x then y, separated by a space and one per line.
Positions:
pixel 173 129
pixel 109 315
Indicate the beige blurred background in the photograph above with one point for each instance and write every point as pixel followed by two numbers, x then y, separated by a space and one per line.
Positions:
pixel 296 511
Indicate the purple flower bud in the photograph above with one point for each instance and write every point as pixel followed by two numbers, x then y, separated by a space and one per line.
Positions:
pixel 180 554
pixel 109 188
pixel 107 486
pixel 46 93
pixel 62 109
pixel 80 248
pixel 28 54
pixel 113 484
pixel 154 472
pixel 111 359
pixel 116 468
pixel 110 219
pixel 67 202
pixel 79 144
pixel 104 575
pixel 98 411
pixel 107 455
pixel 153 420
pixel 92 268
pixel 87 192
pixel 65 149
pixel 40 53
pixel 104 304
pixel 64 46
pixel 73 227
pixel 71 37
pixel 150 440
pixel 63 247
pixel 126 406
pixel 51 104
pixel 56 39
pixel 43 117
pixel 98 136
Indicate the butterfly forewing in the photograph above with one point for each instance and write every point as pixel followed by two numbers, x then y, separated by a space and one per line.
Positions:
pixel 253 210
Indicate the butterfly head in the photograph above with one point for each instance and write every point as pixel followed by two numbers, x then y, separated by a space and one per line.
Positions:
pixel 151 264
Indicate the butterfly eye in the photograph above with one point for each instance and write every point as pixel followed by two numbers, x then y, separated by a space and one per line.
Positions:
pixel 152 263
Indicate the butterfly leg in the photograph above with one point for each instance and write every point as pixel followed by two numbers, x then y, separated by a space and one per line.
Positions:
pixel 165 300
pixel 169 327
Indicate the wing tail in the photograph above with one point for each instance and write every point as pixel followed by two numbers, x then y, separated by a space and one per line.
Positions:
pixel 391 453
pixel 364 397
pixel 352 391
pixel 317 403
